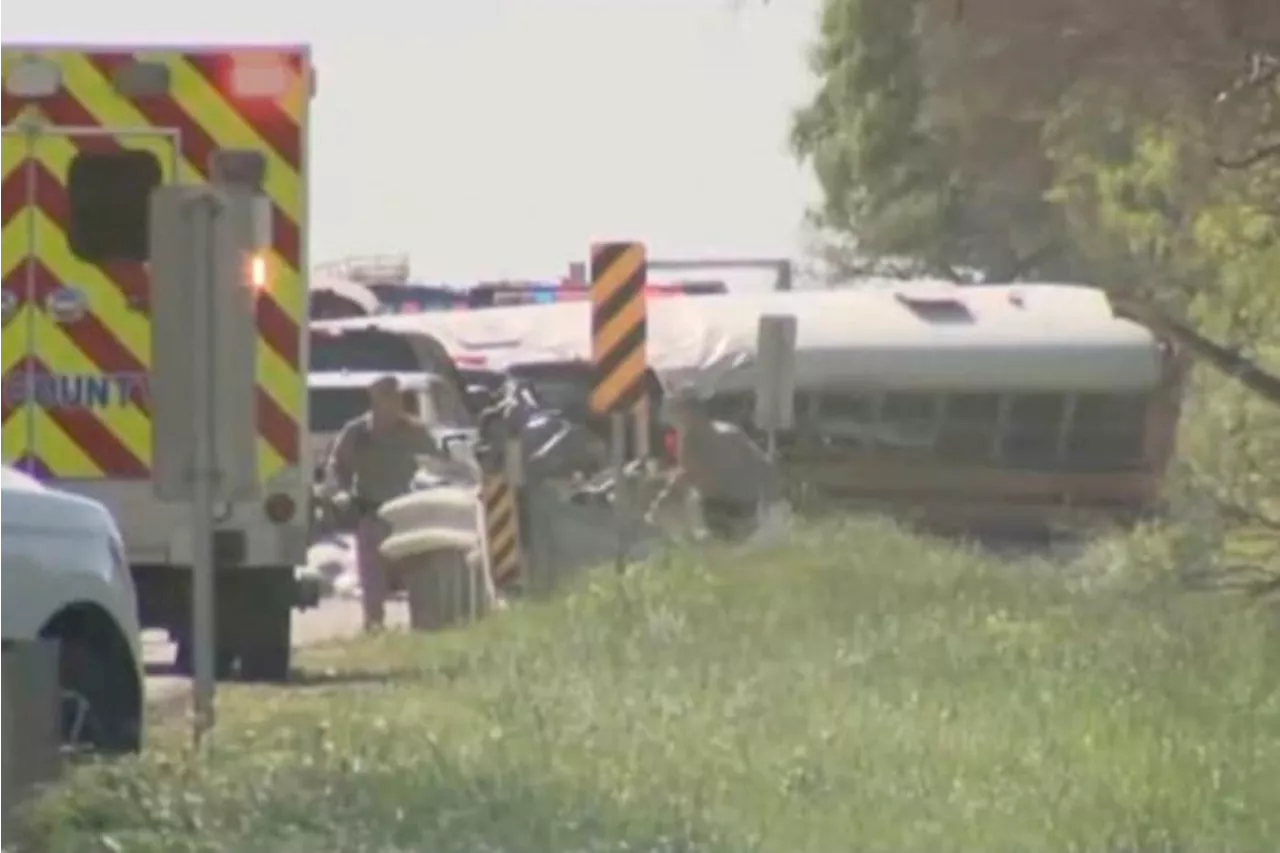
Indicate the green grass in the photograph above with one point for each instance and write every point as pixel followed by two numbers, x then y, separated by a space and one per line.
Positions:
pixel 863 690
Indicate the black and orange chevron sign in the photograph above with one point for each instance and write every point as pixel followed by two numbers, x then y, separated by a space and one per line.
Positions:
pixel 619 329
pixel 502 530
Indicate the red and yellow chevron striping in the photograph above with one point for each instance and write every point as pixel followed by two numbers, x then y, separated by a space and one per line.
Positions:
pixel 45 357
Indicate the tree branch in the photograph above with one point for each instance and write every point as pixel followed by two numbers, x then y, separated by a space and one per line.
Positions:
pixel 1264 71
pixel 1226 360
pixel 1251 159
pixel 1235 512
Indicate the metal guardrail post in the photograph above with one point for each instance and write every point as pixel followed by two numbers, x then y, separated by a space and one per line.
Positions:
pixel 32 754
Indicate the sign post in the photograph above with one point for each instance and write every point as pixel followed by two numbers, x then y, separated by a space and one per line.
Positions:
pixel 619 337
pixel 204 257
pixel 775 377
pixel 501 511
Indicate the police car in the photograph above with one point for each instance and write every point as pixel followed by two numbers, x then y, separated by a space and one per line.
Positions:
pixel 66 578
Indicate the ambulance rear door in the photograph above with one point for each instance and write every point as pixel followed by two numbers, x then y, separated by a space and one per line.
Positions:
pixel 88 296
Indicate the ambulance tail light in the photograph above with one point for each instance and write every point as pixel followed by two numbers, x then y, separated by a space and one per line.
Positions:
pixel 279 508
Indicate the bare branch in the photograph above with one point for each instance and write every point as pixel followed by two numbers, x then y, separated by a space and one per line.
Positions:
pixel 1253 158
pixel 1264 71
pixel 1232 511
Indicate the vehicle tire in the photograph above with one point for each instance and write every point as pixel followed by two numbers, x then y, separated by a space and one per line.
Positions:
pixel 267 663
pixel 184 659
pixel 266 625
pixel 270 656
pixel 98 712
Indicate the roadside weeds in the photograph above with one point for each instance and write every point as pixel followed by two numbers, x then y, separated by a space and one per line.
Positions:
pixel 860 689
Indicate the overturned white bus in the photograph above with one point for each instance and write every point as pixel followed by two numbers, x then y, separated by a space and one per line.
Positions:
pixel 1013 408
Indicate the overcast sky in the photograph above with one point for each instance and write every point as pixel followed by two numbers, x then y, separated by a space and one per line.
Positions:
pixel 498 137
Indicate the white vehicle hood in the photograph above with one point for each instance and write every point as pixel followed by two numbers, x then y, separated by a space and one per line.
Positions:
pixel 27 502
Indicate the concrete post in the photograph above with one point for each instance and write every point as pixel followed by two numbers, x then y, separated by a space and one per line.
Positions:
pixel 32 754
pixel 438 589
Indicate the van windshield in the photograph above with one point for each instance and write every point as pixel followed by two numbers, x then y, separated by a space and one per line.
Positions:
pixel 362 350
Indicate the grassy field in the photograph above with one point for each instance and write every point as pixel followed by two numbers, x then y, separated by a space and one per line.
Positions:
pixel 863 690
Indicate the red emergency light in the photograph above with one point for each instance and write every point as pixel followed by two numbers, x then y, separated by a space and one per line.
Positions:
pixel 671 444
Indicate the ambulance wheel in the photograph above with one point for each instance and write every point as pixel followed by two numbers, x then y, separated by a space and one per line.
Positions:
pixel 267 660
pixel 266 648
pixel 184 662
pixel 98 715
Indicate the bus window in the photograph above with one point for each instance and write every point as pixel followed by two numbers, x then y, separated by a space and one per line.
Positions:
pixel 845 417
pixel 970 423
pixel 1107 431
pixel 909 419
pixel 1033 430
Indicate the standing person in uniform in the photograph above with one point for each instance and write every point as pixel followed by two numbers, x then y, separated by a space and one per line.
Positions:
pixel 373 461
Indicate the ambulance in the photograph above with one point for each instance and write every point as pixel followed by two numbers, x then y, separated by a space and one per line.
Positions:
pixel 89 133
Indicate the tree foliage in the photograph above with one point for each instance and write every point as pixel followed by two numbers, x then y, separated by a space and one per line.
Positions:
pixel 1134 145
pixel 957 131
pixel 895 163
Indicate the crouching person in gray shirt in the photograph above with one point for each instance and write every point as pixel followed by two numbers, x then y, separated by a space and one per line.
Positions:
pixel 373 461
pixel 733 478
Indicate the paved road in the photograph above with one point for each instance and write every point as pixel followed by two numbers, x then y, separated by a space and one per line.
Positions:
pixel 333 619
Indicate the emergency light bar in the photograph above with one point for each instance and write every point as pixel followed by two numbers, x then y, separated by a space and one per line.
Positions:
pixel 414 299
pixel 576 292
